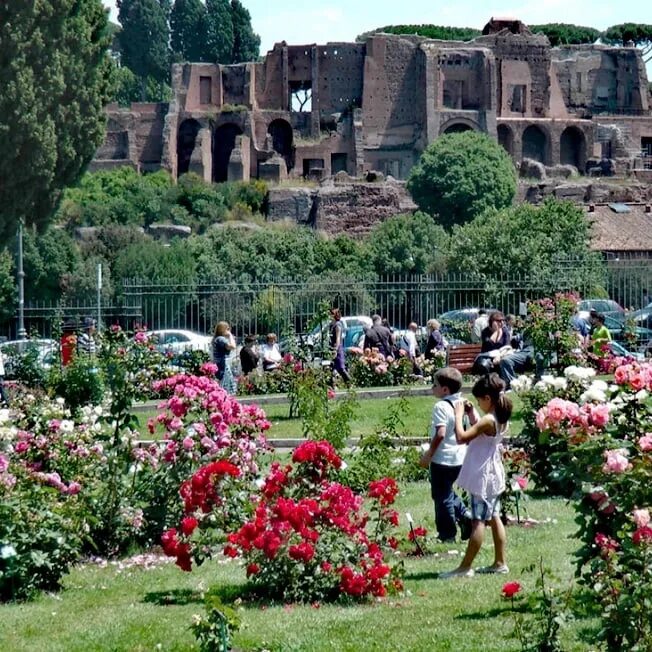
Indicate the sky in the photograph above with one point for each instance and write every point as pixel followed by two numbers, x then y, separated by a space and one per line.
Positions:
pixel 301 22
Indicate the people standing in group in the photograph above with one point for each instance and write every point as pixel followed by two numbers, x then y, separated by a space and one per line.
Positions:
pixel 481 322
pixel 436 341
pixel 222 347
pixel 378 336
pixel 581 328
pixel 270 353
pixel 336 344
pixel 482 474
pixel 86 341
pixel 444 458
pixel 249 355
pixel 601 335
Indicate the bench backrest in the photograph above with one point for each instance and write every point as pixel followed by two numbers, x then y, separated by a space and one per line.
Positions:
pixel 462 356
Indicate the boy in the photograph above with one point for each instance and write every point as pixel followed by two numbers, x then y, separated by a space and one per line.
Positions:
pixel 445 457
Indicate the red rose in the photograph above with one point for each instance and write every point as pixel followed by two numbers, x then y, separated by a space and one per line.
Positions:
pixel 510 589
pixel 188 525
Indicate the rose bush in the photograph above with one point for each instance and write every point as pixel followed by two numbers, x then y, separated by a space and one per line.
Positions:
pixel 370 368
pixel 307 538
pixel 608 465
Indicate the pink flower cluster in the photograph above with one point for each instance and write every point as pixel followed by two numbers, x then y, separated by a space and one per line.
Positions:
pixel 560 414
pixel 201 421
pixel 634 376
pixel 54 480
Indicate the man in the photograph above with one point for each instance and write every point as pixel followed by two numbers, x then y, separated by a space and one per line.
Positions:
pixel 378 336
pixel 408 345
pixel 481 322
pixel 600 336
pixel 249 355
pixel 86 341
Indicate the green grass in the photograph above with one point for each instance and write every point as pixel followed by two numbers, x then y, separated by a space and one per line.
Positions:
pixel 368 416
pixel 102 610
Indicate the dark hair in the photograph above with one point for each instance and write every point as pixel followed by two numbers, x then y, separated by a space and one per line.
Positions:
pixel 449 377
pixel 496 316
pixel 337 315
pixel 600 317
pixel 482 311
pixel 493 386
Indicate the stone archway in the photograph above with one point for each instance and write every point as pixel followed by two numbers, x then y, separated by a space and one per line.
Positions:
pixel 535 144
pixel 223 143
pixel 506 139
pixel 186 140
pixel 572 148
pixel 282 140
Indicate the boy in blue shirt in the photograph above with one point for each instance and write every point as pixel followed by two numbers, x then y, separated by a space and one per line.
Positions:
pixel 445 456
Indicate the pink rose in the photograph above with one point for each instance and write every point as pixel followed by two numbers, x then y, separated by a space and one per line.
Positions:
pixel 641 517
pixel 73 488
pixel 188 443
pixel 645 442
pixel 617 461
pixel 4 463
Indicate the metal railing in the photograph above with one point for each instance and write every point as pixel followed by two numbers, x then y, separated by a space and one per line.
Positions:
pixel 293 305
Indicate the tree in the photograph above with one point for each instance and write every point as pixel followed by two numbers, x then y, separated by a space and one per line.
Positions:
pixel 218 46
pixel 187 25
pixel 408 244
pixel 566 34
pixel 246 43
pixel 461 175
pixel 54 76
pixel 440 32
pixel 144 40
pixel 525 239
pixel 637 33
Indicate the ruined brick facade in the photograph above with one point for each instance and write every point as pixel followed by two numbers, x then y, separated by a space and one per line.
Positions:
pixel 316 110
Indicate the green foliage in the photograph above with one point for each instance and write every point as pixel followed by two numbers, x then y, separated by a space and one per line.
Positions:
pixel 440 32
pixel 461 175
pixel 566 34
pixel 638 33
pixel 218 46
pixel 54 74
pixel 408 244
pixel 80 383
pixel 144 39
pixel 213 631
pixel 187 25
pixel 527 240
pixel 246 43
pixel 7 286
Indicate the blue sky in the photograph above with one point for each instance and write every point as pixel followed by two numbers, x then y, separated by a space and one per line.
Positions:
pixel 300 22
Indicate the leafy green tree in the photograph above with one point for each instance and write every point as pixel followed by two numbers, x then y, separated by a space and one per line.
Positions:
pixel 218 46
pixel 246 43
pixel 460 175
pixel 440 32
pixel 408 244
pixel 54 81
pixel 566 34
pixel 7 287
pixel 187 27
pixel 144 40
pixel 524 239
pixel 638 33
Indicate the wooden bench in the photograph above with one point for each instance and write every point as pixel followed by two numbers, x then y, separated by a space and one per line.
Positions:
pixel 462 356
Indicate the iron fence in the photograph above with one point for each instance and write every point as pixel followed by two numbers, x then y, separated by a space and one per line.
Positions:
pixel 284 305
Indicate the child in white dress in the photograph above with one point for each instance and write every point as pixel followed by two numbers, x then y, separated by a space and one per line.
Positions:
pixel 483 474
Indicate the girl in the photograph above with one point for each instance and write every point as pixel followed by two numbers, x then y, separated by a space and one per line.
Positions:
pixel 482 474
pixel 223 344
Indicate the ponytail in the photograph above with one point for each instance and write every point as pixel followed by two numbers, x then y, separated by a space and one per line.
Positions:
pixel 493 386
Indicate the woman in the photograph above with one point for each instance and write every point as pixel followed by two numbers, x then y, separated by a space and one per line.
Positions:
pixel 271 353
pixel 494 337
pixel 223 344
pixel 436 341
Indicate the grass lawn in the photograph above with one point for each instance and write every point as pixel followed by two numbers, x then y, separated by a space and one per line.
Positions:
pixel 368 416
pixel 103 609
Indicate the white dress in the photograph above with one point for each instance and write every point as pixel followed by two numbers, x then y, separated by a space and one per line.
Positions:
pixel 482 472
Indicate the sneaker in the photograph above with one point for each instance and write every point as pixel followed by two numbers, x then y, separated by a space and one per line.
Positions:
pixel 466 525
pixel 458 572
pixel 503 569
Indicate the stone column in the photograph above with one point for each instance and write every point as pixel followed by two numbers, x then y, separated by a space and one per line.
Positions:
pixel 315 130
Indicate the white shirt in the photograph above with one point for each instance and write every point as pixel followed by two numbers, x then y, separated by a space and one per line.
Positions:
pixel 271 355
pixel 411 340
pixel 449 452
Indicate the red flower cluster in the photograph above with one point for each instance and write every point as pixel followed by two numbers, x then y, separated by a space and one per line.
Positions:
pixel 385 490
pixel 642 535
pixel 606 544
pixel 173 547
pixel 416 533
pixel 321 455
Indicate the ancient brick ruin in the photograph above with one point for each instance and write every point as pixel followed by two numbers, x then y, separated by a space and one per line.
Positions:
pixel 316 110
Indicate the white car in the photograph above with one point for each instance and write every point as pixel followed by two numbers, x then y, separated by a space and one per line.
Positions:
pixel 44 351
pixel 179 341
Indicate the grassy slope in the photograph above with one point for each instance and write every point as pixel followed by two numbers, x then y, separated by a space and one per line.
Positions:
pixel 140 610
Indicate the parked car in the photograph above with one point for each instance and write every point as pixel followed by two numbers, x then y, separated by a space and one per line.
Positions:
pixel 315 342
pixel 43 350
pixel 456 324
pixel 607 307
pixel 618 349
pixel 617 328
pixel 179 341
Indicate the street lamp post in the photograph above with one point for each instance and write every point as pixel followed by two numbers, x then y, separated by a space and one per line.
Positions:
pixel 22 333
